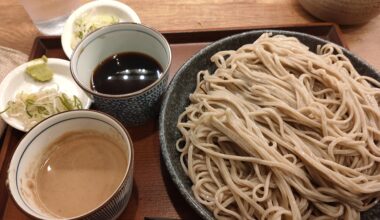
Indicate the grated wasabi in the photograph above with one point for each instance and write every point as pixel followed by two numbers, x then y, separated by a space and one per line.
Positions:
pixel 39 70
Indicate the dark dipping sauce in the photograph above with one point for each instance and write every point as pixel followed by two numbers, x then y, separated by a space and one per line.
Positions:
pixel 125 73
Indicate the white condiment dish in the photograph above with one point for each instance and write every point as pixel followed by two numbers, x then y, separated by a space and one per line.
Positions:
pixel 17 80
pixel 109 7
pixel 37 141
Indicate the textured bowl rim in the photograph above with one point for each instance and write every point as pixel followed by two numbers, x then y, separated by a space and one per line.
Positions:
pixel 117 190
pixel 189 197
pixel 120 27
pixel 66 37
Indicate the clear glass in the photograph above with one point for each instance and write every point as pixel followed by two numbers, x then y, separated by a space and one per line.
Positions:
pixel 49 16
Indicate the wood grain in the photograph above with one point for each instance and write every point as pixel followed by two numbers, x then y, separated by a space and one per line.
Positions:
pixel 17 30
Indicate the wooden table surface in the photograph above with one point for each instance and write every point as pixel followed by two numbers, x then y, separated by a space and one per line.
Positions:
pixel 17 31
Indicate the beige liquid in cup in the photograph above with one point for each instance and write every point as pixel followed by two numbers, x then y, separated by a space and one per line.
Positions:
pixel 78 173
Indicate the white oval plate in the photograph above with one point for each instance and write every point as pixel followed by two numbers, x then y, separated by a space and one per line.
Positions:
pixel 17 80
pixel 119 9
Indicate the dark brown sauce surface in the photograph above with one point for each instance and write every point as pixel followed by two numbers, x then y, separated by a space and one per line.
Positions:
pixel 125 73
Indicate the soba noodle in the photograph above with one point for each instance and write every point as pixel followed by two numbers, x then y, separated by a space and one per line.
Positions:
pixel 280 132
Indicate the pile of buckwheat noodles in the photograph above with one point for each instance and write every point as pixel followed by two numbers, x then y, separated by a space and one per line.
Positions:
pixel 280 132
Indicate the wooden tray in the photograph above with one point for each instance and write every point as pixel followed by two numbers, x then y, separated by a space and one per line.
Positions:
pixel 154 194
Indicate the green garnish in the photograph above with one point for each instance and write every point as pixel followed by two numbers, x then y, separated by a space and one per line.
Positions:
pixel 30 108
pixel 6 109
pixel 66 102
pixel 88 23
pixel 39 70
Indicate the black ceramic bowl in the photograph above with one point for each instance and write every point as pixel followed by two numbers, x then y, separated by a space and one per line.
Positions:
pixel 184 82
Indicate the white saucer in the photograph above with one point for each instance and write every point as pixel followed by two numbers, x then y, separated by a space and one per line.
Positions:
pixel 17 81
pixel 119 9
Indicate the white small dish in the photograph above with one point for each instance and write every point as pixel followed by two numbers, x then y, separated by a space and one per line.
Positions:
pixel 17 80
pixel 116 8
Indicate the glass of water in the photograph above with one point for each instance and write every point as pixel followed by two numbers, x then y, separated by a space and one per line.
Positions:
pixel 49 16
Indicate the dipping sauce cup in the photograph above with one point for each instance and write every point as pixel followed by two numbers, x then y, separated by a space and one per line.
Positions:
pixel 41 140
pixel 133 108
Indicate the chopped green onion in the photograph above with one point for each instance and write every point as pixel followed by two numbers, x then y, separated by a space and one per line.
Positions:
pixel 77 102
pixel 30 108
pixel 6 109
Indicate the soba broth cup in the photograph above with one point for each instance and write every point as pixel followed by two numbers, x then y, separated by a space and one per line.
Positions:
pixel 36 143
pixel 133 108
